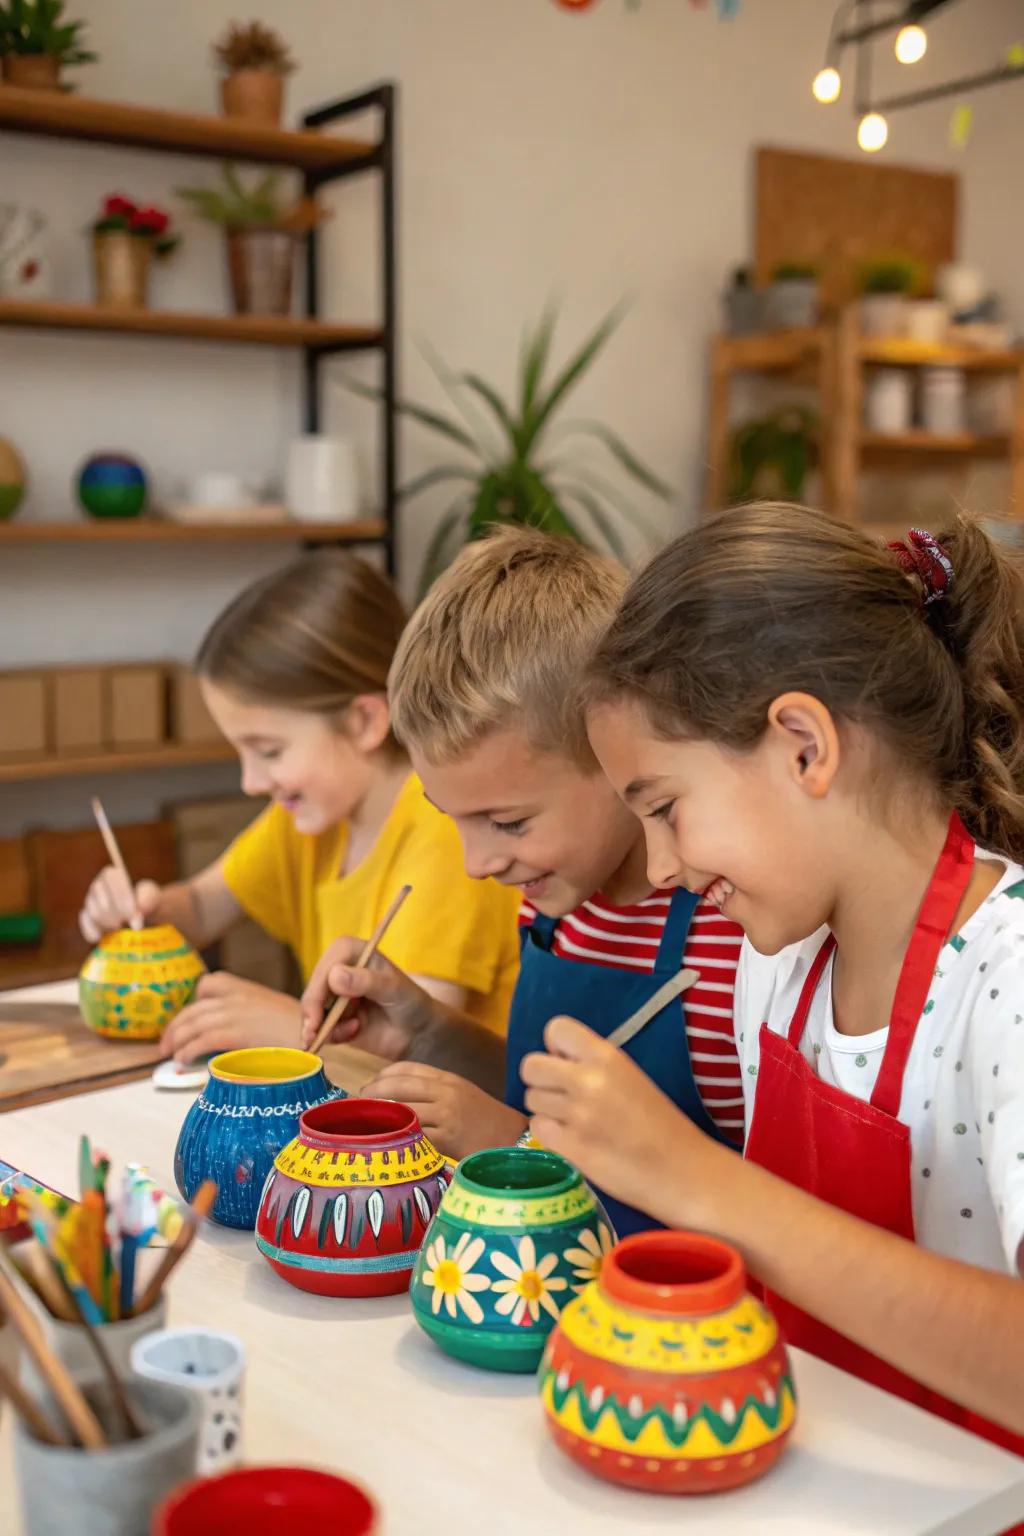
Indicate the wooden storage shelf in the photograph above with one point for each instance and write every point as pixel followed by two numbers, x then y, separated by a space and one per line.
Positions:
pixel 901 352
pixel 57 114
pixel 31 968
pixel 261 330
pixel 919 441
pixel 168 755
pixel 770 351
pixel 154 530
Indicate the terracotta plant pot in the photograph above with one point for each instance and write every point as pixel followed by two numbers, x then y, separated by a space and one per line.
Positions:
pixel 121 269
pixel 35 71
pixel 247 1112
pixel 517 1233
pixel 136 981
pixel 255 94
pixel 667 1374
pixel 261 261
pixel 347 1202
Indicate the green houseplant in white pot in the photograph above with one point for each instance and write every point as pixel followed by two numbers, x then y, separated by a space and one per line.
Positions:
pixel 885 285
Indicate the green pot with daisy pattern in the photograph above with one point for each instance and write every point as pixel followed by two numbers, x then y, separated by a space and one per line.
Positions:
pixel 517 1235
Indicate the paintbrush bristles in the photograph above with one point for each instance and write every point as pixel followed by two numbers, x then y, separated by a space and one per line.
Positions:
pixel 343 1004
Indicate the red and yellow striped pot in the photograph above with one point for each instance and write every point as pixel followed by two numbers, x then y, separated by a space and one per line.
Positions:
pixel 666 1373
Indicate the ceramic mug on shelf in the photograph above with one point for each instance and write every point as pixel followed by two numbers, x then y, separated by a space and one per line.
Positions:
pixel 220 488
pixel 321 479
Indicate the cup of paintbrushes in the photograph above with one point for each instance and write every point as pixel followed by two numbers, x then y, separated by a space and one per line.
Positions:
pixel 112 1490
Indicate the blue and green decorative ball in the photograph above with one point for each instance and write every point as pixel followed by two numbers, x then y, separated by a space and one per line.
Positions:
pixel 112 485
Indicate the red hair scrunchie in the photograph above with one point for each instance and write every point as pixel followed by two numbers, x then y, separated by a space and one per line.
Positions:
pixel 922 555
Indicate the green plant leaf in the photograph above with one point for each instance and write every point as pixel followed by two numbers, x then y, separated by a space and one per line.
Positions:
pixel 436 557
pixel 536 349
pixel 419 413
pixel 451 386
pixel 590 503
pixel 570 376
pixel 629 461
pixel 487 393
pixel 438 476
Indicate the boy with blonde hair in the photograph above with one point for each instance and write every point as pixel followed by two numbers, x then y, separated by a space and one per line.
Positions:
pixel 482 696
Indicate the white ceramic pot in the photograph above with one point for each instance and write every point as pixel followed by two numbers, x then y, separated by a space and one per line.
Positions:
pixel 211 1366
pixel 927 321
pixel 884 314
pixel 943 401
pixel 962 287
pixel 889 401
pixel 321 479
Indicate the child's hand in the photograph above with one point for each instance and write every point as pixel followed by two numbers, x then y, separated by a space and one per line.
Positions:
pixel 456 1115
pixel 392 1008
pixel 228 1013
pixel 595 1106
pixel 112 902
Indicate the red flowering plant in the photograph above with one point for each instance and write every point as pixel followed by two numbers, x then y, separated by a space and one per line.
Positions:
pixel 120 215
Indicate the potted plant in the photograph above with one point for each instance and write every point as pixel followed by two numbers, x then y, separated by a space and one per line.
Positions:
pixel 885 283
pixel 125 238
pixel 514 470
pixel 261 234
pixel 36 43
pixel 254 61
pixel 771 456
pixel 742 304
pixel 791 300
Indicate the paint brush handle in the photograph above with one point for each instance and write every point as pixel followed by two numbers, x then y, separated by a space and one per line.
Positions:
pixel 343 1005
pixel 110 843
pixel 673 988
pixel 200 1208
pixel 27 1409
pixel 53 1370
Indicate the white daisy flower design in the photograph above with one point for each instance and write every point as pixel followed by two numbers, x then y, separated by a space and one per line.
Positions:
pixel 452 1279
pixel 586 1260
pixel 527 1286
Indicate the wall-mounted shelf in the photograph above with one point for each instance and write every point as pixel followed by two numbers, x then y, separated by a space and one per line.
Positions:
pixel 154 530
pixel 261 330
pixel 29 769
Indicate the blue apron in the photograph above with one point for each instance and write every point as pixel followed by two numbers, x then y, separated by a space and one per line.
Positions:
pixel 603 997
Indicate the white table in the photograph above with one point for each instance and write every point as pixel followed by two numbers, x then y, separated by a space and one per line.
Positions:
pixel 453 1451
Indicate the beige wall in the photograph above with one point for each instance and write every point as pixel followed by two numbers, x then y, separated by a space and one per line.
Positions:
pixel 542 153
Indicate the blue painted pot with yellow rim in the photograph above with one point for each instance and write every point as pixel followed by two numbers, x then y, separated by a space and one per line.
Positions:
pixel 135 982
pixel 517 1234
pixel 247 1112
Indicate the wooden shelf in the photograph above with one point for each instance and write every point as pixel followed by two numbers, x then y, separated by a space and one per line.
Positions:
pixel 57 114
pixel 769 351
pixel 170 755
pixel 922 442
pixel 154 530
pixel 32 968
pixel 261 330
pixel 901 352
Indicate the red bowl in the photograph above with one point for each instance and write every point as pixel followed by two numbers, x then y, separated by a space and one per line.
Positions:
pixel 266 1501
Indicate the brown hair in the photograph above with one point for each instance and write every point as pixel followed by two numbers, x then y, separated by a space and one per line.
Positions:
pixel 311 636
pixel 762 600
pixel 500 640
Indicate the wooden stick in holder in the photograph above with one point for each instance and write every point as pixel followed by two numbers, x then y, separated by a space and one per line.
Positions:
pixel 54 1372
pixel 343 1005
pixel 28 1409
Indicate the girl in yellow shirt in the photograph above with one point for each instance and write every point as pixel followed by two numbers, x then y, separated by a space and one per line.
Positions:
pixel 294 672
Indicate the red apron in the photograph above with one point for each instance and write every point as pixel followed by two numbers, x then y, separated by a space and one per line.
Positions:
pixel 856 1155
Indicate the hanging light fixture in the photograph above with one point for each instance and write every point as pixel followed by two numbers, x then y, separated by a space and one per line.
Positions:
pixel 872 132
pixel 827 85
pixel 911 44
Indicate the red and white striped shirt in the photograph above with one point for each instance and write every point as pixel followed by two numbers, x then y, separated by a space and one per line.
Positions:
pixel 627 938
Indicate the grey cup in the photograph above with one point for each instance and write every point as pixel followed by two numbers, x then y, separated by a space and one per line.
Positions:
pixel 112 1492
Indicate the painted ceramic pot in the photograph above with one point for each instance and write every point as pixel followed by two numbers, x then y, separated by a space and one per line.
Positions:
pixel 247 1112
pixel 517 1234
pixel 667 1374
pixel 134 982
pixel 347 1202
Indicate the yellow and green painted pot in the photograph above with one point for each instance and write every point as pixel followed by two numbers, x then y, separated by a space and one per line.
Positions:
pixel 516 1235
pixel 666 1373
pixel 135 982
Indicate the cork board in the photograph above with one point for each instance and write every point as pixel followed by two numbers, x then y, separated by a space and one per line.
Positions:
pixel 835 213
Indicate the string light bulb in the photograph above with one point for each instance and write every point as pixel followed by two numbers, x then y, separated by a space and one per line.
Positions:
pixel 872 132
pixel 911 44
pixel 827 85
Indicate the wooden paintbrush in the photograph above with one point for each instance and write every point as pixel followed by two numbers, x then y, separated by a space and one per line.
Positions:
pixel 200 1208
pixel 344 1005
pixel 65 1390
pixel 27 1408
pixel 114 853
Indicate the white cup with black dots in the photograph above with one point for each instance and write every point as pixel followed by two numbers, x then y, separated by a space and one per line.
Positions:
pixel 210 1365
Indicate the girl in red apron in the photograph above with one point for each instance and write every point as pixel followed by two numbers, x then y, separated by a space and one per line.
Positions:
pixel 827 736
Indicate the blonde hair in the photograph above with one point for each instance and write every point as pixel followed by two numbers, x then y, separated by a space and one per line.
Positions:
pixel 500 640
pixel 764 600
pixel 312 636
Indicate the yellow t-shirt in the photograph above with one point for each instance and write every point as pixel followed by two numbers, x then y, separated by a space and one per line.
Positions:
pixel 457 929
